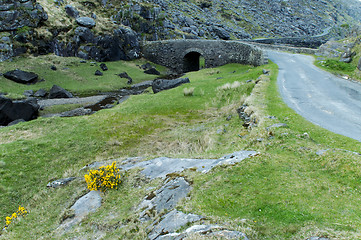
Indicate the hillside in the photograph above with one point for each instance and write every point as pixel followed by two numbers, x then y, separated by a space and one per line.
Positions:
pixel 300 184
pixel 114 29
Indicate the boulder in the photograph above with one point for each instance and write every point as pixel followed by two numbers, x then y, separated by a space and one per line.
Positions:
pixel 104 67
pixel 20 76
pixel 221 33
pixel 152 71
pixel 59 92
pixel 86 22
pixel 164 84
pixel 98 73
pixel 125 75
pixel 28 93
pixel 40 93
pixel 14 110
pixel 71 11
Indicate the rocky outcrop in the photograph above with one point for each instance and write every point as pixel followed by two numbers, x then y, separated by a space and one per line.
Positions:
pixel 16 14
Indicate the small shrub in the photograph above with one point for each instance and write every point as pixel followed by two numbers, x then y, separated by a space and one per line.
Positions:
pixel 188 91
pixel 106 177
pixel 20 212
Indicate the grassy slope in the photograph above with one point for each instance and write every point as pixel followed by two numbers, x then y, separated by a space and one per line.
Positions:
pixel 72 75
pixel 286 192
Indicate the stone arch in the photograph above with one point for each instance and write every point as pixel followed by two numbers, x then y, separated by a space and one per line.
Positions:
pixel 191 59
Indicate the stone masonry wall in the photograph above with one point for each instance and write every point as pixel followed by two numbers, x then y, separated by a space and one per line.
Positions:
pixel 171 53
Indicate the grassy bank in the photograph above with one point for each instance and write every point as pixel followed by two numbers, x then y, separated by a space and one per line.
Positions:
pixel 286 192
pixel 72 74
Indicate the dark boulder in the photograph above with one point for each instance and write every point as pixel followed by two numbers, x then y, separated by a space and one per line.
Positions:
pixel 14 110
pixel 28 93
pixel 21 76
pixel 53 67
pixel 98 73
pixel 125 75
pixel 71 11
pixel 103 67
pixel 164 84
pixel 40 93
pixel 86 22
pixel 221 33
pixel 59 92
pixel 152 71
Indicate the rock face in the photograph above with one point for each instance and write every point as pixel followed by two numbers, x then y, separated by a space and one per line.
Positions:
pixel 15 14
pixel 59 92
pixel 14 110
pixel 20 76
pixel 164 84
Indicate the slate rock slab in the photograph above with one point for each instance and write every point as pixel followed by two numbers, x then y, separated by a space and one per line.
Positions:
pixel 86 22
pixel 160 167
pixel 167 197
pixel 59 92
pixel 171 222
pixel 60 182
pixel 20 76
pixel 88 203
pixel 165 84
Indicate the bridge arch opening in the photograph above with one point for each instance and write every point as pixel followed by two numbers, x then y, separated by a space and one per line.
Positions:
pixel 193 61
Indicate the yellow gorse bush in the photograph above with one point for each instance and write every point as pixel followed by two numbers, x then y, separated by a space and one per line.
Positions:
pixel 20 212
pixel 106 177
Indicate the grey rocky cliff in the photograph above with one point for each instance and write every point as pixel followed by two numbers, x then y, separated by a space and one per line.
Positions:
pixel 15 14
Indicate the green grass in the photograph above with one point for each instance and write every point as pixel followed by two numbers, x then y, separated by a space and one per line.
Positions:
pixel 72 75
pixel 286 192
pixel 335 66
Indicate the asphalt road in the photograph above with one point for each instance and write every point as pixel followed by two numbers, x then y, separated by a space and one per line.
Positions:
pixel 322 98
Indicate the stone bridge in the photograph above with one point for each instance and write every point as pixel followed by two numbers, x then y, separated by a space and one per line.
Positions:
pixel 184 55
